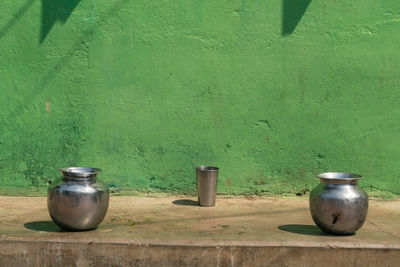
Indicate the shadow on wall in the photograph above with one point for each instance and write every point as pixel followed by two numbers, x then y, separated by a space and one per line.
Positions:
pixel 292 12
pixel 54 10
pixel 15 18
pixel 66 58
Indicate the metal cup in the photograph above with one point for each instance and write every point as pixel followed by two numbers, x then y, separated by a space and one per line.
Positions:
pixel 207 185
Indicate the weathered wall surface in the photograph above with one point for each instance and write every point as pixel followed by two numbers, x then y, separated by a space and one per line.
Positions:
pixel 147 90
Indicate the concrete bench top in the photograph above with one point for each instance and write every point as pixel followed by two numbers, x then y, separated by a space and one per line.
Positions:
pixel 235 230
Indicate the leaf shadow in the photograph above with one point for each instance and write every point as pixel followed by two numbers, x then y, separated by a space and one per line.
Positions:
pixel 292 12
pixel 15 18
pixel 53 11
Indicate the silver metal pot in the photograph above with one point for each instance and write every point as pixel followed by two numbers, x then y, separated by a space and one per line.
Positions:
pixel 338 205
pixel 78 200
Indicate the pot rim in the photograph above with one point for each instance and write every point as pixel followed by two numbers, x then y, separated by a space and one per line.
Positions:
pixel 80 172
pixel 339 177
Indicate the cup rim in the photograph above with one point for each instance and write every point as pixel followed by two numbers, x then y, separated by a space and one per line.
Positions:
pixel 207 168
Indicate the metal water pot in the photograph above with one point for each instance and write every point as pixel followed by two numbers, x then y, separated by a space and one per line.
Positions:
pixel 78 200
pixel 338 205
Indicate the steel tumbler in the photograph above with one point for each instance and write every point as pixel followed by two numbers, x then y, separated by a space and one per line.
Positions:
pixel 207 177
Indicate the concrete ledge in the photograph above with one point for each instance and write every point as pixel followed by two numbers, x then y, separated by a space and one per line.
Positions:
pixel 167 232
pixel 50 253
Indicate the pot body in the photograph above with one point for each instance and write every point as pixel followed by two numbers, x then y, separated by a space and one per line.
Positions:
pixel 338 208
pixel 78 201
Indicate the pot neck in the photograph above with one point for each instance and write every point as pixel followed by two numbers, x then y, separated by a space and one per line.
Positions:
pixel 339 181
pixel 80 173
pixel 79 179
pixel 339 178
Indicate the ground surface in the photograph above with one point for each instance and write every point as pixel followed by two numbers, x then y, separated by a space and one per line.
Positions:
pixel 179 220
pixel 174 231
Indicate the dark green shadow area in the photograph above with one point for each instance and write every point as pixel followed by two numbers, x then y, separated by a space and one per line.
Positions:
pixel 16 17
pixel 303 229
pixel 185 202
pixel 292 12
pixel 307 230
pixel 43 226
pixel 53 11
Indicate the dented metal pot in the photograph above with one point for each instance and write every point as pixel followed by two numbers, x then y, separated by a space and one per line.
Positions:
pixel 78 200
pixel 338 205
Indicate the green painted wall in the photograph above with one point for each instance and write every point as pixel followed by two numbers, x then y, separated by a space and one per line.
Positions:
pixel 148 89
